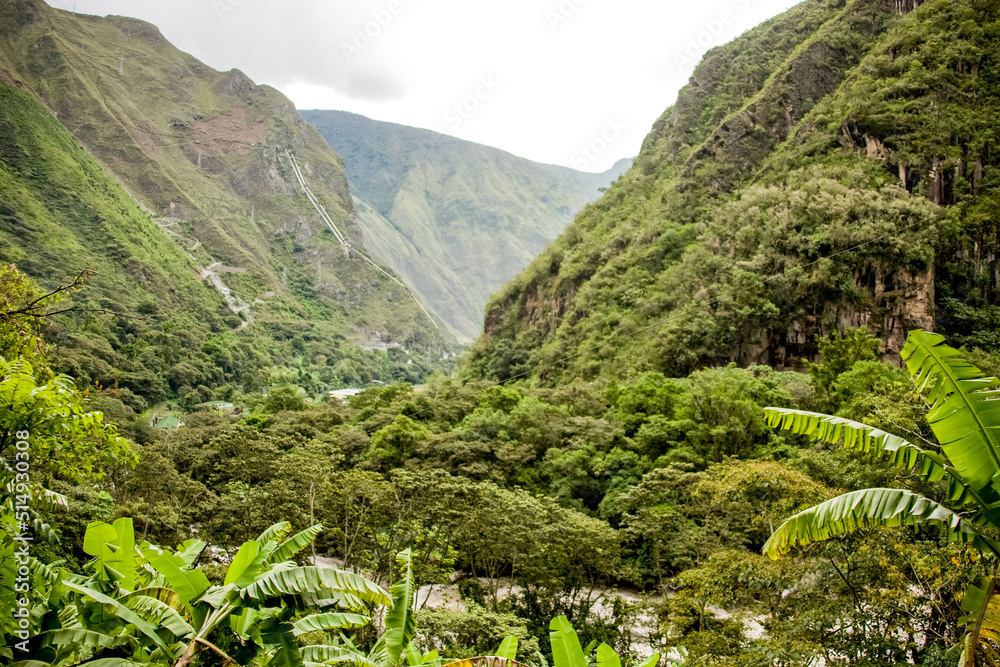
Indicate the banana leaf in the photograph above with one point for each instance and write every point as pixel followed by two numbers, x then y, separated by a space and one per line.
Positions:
pixel 869 508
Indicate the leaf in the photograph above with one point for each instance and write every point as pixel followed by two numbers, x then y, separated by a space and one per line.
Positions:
pixel 50 500
pixel 219 596
pixel 335 654
pixel 280 642
pixel 80 637
pixel 125 613
pixel 508 648
pixel 159 614
pixel 189 584
pixel 983 607
pixel 482 661
pixel 190 550
pixel 868 508
pixel 275 533
pixel 964 410
pixel 400 625
pixel 294 544
pixel 860 438
pixel 879 445
pixel 654 659
pixel 566 649
pixel 46 573
pixel 379 654
pixel 114 548
pixel 69 618
pixel 243 570
pixel 166 595
pixel 312 579
pixel 607 657
pixel 328 621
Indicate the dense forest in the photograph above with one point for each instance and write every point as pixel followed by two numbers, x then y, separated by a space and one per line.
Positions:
pixel 637 509
pixel 709 425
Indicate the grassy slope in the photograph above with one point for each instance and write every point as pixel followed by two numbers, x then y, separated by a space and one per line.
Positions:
pixel 457 219
pixel 241 206
pixel 784 148
pixel 61 214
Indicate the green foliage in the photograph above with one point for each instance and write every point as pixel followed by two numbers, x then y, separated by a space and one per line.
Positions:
pixel 837 176
pixel 568 508
pixel 840 352
pixel 48 434
pixel 778 204
pixel 65 438
pixel 149 605
pixel 962 419
pixel 395 443
pixel 284 399
pixel 652 394
pixel 567 651
pixel 151 320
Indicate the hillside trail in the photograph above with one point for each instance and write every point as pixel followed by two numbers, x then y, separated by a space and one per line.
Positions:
pixel 236 304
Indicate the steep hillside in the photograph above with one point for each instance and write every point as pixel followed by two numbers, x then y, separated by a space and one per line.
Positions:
pixel 207 155
pixel 831 168
pixel 456 218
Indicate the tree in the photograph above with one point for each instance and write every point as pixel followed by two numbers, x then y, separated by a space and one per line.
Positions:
pixel 284 399
pixel 965 418
pixel 841 351
pixel 397 442
pixel 474 632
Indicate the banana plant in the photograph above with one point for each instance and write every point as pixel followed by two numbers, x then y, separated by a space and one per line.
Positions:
pixel 964 415
pixel 568 652
pixel 154 606
pixel 504 656
pixel 394 644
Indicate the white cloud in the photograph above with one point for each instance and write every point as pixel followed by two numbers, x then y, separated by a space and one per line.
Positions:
pixel 565 68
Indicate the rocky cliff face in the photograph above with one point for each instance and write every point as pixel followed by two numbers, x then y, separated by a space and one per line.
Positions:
pixel 898 302
pixel 826 170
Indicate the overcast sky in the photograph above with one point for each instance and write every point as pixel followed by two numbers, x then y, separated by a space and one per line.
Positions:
pixel 571 82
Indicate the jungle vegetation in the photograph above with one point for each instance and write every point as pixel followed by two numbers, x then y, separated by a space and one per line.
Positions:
pixel 701 372
pixel 619 505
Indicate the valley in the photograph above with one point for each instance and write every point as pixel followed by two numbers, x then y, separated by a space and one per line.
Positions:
pixel 337 391
pixel 455 219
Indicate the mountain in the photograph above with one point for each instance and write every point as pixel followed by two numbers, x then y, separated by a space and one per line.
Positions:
pixel 178 188
pixel 455 218
pixel 834 167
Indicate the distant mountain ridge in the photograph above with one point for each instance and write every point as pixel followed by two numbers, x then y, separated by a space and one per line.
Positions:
pixel 206 156
pixel 206 151
pixel 457 219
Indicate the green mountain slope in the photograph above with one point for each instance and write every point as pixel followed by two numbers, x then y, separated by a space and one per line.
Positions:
pixel 456 218
pixel 207 155
pixel 833 167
